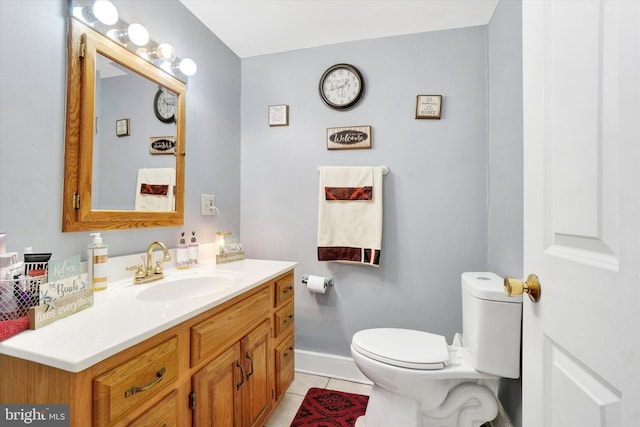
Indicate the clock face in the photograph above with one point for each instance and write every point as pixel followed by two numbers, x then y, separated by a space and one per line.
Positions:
pixel 165 105
pixel 341 86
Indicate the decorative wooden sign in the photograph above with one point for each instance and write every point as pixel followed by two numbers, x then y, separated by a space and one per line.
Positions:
pixel 352 137
pixel 53 310
pixel 229 257
pixel 162 145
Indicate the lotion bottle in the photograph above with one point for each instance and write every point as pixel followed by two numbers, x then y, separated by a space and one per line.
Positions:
pixel 182 254
pixel 194 251
pixel 97 257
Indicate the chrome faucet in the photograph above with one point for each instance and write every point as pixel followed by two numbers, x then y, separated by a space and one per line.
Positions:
pixel 147 273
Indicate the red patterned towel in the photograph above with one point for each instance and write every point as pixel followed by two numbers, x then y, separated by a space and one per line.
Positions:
pixel 155 189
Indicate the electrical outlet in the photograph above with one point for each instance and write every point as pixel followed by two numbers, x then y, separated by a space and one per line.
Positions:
pixel 207 204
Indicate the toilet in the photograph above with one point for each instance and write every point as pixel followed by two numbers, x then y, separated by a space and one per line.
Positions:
pixel 421 381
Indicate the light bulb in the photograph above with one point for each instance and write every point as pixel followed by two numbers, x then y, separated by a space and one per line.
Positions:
pixel 138 34
pixel 165 52
pixel 143 53
pixel 105 12
pixel 188 67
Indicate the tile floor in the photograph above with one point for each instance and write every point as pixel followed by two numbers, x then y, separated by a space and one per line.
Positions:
pixel 284 413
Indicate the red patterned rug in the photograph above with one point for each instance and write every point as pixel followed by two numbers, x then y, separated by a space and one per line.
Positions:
pixel 330 408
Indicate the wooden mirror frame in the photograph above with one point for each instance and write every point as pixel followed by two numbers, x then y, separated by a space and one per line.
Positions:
pixel 84 44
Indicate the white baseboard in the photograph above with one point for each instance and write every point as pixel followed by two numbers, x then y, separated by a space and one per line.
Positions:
pixel 344 368
pixel 328 365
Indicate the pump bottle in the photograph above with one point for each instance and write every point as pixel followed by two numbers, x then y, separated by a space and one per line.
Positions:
pixel 194 251
pixel 97 257
pixel 182 254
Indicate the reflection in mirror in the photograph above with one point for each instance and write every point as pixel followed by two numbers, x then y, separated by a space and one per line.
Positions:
pixel 126 175
pixel 124 144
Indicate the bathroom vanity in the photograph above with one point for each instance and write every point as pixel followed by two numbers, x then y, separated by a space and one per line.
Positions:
pixel 222 359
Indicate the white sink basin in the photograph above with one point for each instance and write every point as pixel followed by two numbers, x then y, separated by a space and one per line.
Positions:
pixel 187 287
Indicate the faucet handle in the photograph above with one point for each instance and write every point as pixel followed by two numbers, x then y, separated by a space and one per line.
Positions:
pixel 140 274
pixel 158 269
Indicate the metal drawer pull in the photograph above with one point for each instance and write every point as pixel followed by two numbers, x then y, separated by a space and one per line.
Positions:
pixel 250 360
pixel 135 389
pixel 241 375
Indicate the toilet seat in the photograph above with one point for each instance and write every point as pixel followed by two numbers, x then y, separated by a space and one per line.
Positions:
pixel 404 348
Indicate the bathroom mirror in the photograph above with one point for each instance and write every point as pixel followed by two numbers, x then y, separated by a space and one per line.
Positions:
pixel 124 161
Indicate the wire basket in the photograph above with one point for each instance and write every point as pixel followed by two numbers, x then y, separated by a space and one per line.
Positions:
pixel 22 292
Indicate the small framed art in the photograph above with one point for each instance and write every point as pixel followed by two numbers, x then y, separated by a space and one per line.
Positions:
pixel 349 138
pixel 162 145
pixel 279 115
pixel 428 106
pixel 122 127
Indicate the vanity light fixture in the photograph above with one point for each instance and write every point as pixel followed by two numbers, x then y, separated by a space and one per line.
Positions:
pixel 101 10
pixel 166 52
pixel 103 16
pixel 134 33
pixel 186 66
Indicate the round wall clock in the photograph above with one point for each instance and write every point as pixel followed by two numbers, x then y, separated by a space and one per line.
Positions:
pixel 165 104
pixel 341 86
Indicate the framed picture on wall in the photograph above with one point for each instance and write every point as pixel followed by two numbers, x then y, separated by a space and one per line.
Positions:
pixel 162 145
pixel 122 127
pixel 428 106
pixel 279 115
pixel 349 138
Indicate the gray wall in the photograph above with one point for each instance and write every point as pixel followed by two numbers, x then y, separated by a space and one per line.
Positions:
pixel 435 197
pixel 32 115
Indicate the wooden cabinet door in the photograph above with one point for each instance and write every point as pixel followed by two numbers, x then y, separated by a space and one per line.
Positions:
pixel 256 391
pixel 217 389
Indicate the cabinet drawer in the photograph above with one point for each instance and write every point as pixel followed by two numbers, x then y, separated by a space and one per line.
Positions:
pixel 218 331
pixel 284 365
pixel 284 289
pixel 133 382
pixel 162 414
pixel 284 319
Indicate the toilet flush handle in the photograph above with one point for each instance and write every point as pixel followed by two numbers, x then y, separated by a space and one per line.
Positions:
pixel 531 286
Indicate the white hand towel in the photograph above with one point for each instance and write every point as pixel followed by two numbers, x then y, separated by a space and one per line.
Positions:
pixel 350 215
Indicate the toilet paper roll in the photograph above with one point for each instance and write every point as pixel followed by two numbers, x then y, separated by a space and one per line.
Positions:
pixel 317 284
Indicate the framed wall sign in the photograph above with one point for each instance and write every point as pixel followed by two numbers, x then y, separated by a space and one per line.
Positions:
pixel 162 145
pixel 122 127
pixel 428 106
pixel 279 115
pixel 349 138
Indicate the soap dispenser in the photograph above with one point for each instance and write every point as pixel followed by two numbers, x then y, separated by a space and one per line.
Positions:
pixel 182 254
pixel 97 257
pixel 194 251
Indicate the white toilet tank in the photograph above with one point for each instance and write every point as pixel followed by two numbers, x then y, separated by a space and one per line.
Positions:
pixel 491 324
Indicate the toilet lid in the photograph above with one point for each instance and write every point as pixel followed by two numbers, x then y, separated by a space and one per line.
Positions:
pixel 405 348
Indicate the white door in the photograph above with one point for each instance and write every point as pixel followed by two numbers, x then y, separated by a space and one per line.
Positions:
pixel 581 341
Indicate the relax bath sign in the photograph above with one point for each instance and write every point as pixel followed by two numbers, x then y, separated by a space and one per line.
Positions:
pixel 66 293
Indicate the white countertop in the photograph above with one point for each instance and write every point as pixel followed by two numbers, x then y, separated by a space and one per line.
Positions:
pixel 118 320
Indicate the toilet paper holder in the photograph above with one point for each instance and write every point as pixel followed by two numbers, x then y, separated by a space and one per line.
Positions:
pixel 328 281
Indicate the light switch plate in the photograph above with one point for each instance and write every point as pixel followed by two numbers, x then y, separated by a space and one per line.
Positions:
pixel 207 204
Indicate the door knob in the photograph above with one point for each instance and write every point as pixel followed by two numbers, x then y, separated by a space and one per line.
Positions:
pixel 531 286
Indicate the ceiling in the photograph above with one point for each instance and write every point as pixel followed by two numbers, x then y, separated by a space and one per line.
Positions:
pixel 259 27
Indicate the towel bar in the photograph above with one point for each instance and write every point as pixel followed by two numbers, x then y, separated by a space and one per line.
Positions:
pixel 385 169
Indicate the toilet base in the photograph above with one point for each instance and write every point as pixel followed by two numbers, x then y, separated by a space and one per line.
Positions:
pixel 466 405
